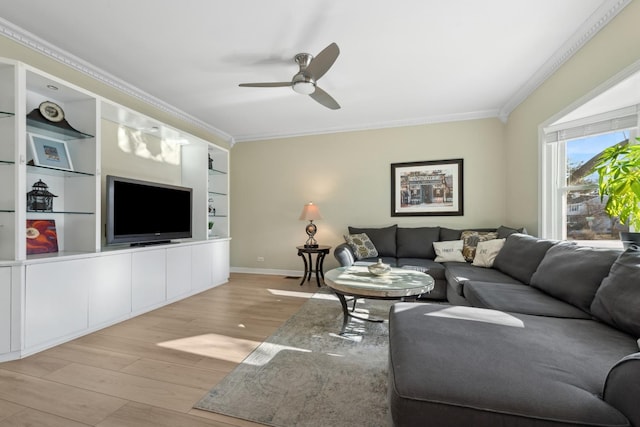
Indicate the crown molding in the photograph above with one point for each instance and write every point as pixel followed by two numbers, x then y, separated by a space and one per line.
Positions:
pixel 443 118
pixel 34 42
pixel 598 20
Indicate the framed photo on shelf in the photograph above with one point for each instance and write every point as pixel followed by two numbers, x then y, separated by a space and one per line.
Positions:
pixel 42 236
pixel 428 188
pixel 49 152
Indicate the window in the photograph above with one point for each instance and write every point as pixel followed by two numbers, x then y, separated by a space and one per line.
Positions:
pixel 571 208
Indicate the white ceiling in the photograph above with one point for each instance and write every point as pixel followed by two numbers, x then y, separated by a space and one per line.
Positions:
pixel 404 62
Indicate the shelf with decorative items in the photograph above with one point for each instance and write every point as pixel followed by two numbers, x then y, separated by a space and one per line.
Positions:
pixel 218 193
pixel 61 193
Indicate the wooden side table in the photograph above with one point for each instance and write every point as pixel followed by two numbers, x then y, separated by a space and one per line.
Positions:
pixel 321 251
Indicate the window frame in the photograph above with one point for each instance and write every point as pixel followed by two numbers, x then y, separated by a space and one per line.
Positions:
pixel 553 165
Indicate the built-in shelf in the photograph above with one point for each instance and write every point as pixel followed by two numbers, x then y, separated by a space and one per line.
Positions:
pixel 217 216
pixel 216 172
pixel 4 114
pixel 60 212
pixel 217 193
pixel 45 170
pixel 7 162
pixel 7 210
pixel 55 131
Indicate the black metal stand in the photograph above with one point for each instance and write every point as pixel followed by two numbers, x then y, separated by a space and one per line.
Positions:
pixel 306 253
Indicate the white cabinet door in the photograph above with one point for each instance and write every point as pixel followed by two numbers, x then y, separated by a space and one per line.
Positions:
pixel 5 310
pixel 178 271
pixel 148 279
pixel 220 261
pixel 110 289
pixel 201 266
pixel 56 300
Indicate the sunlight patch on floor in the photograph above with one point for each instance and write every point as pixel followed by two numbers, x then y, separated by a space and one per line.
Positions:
pixel 478 315
pixel 268 351
pixel 215 346
pixel 283 293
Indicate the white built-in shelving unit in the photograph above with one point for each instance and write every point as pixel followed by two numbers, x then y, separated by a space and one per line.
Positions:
pixel 47 299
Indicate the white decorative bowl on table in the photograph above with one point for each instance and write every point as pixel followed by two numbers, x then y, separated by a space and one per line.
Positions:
pixel 379 268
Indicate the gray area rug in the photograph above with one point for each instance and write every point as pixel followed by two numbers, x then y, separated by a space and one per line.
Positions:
pixel 306 374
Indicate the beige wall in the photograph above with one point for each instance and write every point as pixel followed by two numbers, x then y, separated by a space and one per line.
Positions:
pixel 348 176
pixel 614 48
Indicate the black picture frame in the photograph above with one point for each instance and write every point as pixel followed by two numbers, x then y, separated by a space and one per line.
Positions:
pixel 427 188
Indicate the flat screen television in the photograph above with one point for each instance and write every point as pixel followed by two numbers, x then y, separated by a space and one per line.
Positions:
pixel 142 212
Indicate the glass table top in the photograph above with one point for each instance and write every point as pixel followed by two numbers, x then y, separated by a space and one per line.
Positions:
pixel 357 281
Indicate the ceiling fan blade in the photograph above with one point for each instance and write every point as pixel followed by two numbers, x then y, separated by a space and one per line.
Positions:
pixel 323 61
pixel 325 99
pixel 272 84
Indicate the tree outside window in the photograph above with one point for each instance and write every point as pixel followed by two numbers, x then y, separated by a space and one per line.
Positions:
pixel 584 215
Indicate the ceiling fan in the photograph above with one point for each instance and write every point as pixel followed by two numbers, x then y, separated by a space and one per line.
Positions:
pixel 311 69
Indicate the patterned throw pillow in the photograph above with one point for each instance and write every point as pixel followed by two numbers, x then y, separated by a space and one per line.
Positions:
pixel 450 250
pixel 362 246
pixel 486 252
pixel 471 240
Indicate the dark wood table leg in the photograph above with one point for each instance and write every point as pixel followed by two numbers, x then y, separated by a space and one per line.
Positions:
pixel 319 272
pixel 306 268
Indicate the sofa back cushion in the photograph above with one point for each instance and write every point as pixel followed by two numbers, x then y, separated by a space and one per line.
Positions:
pixel 617 301
pixel 416 242
pixel 573 273
pixel 521 255
pixel 384 239
pixel 447 234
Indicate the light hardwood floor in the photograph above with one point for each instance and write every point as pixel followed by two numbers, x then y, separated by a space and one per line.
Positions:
pixel 150 370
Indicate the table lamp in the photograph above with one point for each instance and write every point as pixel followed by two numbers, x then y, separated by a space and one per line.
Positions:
pixel 310 212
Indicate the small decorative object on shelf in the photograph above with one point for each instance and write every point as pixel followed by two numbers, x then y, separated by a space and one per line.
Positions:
pixel 39 199
pixel 210 162
pixel 379 268
pixel 41 236
pixel 49 152
pixel 210 227
pixel 51 111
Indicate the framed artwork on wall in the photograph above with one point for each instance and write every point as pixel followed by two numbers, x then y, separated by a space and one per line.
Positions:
pixel 49 152
pixel 427 188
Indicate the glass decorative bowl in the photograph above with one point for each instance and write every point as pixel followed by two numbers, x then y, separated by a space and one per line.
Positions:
pixel 379 268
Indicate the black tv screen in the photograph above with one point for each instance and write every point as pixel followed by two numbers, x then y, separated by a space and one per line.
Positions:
pixel 141 212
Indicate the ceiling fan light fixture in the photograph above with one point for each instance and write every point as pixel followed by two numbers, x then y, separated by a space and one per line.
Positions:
pixel 305 88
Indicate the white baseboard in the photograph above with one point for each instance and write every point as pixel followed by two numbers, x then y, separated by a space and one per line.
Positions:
pixel 272 272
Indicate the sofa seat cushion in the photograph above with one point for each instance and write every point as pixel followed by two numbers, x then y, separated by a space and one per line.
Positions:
pixel 432 268
pixel 467 366
pixel 519 298
pixel 573 273
pixel 521 255
pixel 457 273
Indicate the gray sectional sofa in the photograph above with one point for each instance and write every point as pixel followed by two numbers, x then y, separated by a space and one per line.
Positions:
pixel 546 336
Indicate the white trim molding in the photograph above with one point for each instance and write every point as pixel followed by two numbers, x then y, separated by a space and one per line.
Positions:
pixel 597 21
pixel 34 42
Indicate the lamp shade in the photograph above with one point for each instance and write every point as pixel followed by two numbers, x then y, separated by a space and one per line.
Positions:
pixel 310 212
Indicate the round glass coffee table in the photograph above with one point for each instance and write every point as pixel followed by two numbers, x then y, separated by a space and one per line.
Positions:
pixel 356 282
